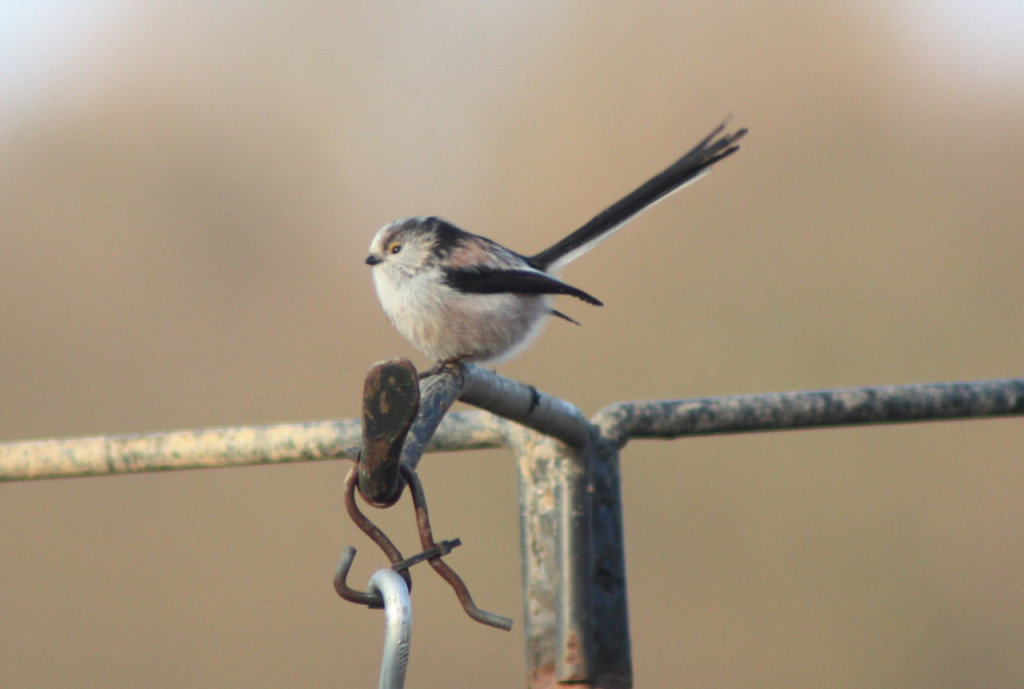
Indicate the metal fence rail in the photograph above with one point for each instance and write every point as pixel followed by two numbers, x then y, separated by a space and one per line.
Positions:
pixel 338 439
pixel 576 619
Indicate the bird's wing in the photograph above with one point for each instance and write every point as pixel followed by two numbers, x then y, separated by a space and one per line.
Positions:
pixel 493 281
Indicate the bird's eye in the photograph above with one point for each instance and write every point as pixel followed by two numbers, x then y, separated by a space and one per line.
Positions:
pixel 395 248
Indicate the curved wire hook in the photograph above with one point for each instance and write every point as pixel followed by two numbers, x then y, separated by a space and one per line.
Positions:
pixel 377 536
pixel 391 588
pixel 432 553
pixel 419 500
pixel 367 598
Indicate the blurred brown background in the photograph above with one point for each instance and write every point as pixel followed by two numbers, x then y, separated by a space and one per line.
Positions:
pixel 186 197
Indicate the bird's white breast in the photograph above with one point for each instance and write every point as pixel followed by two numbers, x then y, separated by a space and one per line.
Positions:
pixel 444 323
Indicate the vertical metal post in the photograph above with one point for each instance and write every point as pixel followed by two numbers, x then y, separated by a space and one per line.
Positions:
pixel 575 613
pixel 573 625
pixel 610 612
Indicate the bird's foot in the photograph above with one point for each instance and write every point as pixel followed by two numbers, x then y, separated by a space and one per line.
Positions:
pixel 441 365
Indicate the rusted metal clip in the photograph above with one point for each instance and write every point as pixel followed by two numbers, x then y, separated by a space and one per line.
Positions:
pixel 373 600
pixel 391 399
pixel 419 500
pixel 432 553
pixel 365 525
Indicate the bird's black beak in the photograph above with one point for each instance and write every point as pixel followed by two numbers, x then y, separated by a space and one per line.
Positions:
pixel 372 260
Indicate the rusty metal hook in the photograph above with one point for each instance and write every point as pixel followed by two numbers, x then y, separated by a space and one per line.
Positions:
pixel 419 500
pixel 372 600
pixel 377 536
pixel 432 552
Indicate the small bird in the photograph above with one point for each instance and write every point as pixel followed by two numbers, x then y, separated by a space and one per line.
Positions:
pixel 457 296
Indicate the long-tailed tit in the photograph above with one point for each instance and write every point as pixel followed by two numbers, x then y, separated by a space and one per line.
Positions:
pixel 460 296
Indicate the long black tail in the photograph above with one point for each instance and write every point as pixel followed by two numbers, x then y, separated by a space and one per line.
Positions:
pixel 688 168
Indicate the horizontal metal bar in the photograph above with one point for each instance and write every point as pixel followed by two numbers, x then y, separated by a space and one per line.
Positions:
pixel 791 410
pixel 501 396
pixel 221 447
pixel 205 448
pixel 318 440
